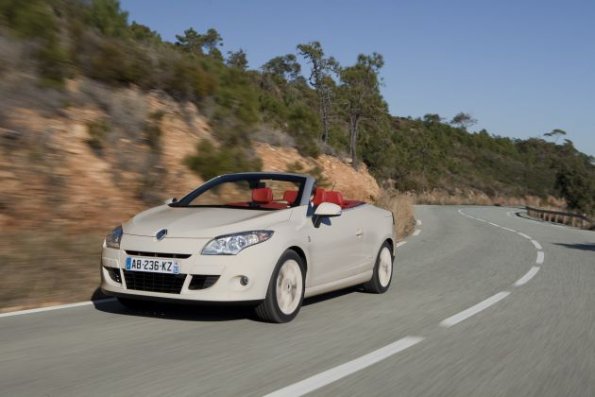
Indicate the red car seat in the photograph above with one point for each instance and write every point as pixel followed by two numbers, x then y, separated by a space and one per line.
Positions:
pixel 263 195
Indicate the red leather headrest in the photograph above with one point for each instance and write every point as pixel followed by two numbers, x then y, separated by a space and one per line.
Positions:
pixel 262 195
pixel 319 196
pixel 290 196
pixel 335 197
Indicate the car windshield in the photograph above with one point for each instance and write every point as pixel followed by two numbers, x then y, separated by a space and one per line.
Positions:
pixel 247 191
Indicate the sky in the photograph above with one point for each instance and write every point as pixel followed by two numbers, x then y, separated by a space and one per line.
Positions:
pixel 521 68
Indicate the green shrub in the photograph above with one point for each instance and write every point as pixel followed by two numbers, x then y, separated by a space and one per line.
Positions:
pixel 185 79
pixel 238 95
pixel 210 161
pixel 108 18
pixel 304 125
pixel 115 62
pixel 31 18
pixel 153 131
pixel 97 131
pixel 54 65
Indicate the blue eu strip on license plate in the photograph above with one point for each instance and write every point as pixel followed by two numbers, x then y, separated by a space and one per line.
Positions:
pixel 128 263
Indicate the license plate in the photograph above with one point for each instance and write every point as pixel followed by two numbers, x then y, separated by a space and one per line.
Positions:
pixel 153 265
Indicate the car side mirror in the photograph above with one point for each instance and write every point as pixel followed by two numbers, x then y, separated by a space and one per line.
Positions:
pixel 326 210
pixel 170 201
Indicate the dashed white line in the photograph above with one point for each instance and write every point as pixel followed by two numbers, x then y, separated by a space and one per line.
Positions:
pixel 540 257
pixel 537 245
pixel 473 310
pixel 524 235
pixel 528 276
pixel 493 224
pixel 401 243
pixel 57 307
pixel 417 232
pixel 332 375
pixel 508 229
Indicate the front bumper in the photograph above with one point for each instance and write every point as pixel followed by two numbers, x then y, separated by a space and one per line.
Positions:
pixel 202 278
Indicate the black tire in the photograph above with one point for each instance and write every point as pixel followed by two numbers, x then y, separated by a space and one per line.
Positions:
pixel 374 285
pixel 269 309
pixel 134 304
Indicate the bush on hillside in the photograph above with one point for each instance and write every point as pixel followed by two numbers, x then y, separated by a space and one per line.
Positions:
pixel 304 125
pixel 98 131
pixel 211 161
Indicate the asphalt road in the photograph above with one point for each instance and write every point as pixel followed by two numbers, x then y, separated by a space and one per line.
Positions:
pixel 475 309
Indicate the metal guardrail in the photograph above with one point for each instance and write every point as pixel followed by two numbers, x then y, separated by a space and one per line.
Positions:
pixel 566 218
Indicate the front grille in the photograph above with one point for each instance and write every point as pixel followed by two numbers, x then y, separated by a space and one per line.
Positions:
pixel 200 281
pixel 114 274
pixel 159 254
pixel 154 282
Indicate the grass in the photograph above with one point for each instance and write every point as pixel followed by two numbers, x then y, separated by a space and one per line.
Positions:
pixel 470 197
pixel 401 205
pixel 46 267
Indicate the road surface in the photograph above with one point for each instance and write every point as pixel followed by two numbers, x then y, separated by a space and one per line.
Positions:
pixel 483 303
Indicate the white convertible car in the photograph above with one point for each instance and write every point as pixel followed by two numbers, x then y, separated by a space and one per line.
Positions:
pixel 269 239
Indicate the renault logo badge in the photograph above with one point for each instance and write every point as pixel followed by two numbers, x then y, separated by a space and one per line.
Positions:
pixel 161 234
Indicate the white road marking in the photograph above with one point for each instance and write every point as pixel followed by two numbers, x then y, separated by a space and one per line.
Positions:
pixel 537 245
pixel 57 307
pixel 332 375
pixel 401 243
pixel 473 310
pixel 449 322
pixel 524 235
pixel 419 222
pixel 528 276
pixel 417 232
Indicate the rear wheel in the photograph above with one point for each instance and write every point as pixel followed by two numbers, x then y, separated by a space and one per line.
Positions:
pixel 383 271
pixel 286 290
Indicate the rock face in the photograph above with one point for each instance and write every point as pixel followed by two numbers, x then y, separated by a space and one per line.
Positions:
pixel 340 176
pixel 91 166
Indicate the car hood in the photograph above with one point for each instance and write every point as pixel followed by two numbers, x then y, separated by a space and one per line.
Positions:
pixel 203 222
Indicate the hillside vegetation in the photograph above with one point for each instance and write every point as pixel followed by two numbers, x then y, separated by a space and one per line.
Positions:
pixel 303 99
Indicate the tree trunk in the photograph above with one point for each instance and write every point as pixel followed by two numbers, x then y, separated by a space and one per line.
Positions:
pixel 353 124
pixel 324 105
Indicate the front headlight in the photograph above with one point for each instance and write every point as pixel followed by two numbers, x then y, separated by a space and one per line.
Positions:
pixel 112 240
pixel 232 244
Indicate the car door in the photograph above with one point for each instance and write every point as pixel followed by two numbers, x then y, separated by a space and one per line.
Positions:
pixel 335 248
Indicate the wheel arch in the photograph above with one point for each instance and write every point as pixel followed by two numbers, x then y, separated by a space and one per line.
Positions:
pixel 391 245
pixel 298 250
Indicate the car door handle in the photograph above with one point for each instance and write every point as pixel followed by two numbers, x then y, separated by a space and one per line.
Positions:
pixel 359 233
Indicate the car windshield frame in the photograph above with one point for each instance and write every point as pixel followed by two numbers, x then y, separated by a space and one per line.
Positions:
pixel 185 201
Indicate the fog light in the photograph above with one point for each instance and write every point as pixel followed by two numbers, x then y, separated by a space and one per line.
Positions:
pixel 244 280
pixel 114 274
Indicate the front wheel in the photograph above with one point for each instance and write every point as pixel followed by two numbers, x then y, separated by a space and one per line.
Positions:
pixel 286 290
pixel 383 271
